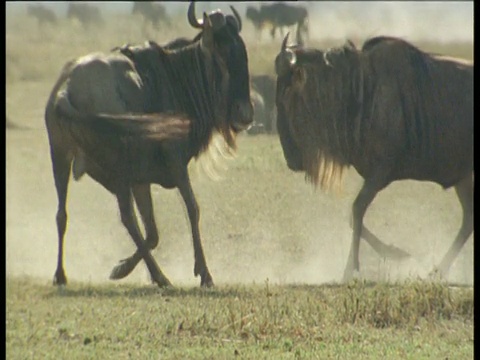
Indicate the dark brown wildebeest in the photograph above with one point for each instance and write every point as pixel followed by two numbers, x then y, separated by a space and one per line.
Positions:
pixel 43 14
pixel 152 13
pixel 197 90
pixel 279 15
pixel 391 111
pixel 86 14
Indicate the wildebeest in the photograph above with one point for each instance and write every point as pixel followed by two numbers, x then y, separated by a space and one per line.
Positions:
pixel 86 14
pixel 10 125
pixel 137 116
pixel 152 13
pixel 391 111
pixel 259 113
pixel 43 14
pixel 265 86
pixel 279 15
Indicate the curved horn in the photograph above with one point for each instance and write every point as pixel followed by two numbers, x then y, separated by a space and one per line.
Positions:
pixel 284 43
pixel 286 59
pixel 192 19
pixel 237 16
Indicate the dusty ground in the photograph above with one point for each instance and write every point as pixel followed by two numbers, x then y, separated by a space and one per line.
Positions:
pixel 259 222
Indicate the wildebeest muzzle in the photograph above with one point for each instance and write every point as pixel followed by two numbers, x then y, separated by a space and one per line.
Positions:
pixel 242 115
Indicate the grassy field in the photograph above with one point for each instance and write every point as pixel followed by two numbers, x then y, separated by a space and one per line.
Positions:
pixel 276 248
pixel 412 320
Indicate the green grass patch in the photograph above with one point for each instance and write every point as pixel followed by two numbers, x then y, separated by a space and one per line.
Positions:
pixel 408 320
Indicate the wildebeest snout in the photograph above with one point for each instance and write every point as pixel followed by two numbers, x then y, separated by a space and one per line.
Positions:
pixel 242 115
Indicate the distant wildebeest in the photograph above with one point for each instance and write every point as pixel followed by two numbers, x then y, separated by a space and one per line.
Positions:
pixel 86 14
pixel 10 125
pixel 279 15
pixel 137 116
pixel 391 111
pixel 152 13
pixel 259 113
pixel 43 14
pixel 265 86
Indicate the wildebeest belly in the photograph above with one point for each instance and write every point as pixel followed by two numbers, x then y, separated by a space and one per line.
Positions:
pixel 134 164
pixel 441 168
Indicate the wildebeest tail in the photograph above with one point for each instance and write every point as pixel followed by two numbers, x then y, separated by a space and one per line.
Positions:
pixel 156 126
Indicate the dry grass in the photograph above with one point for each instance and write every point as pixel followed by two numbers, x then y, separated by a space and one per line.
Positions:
pixel 264 321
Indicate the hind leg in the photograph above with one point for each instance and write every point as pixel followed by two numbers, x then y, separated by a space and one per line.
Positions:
pixel 125 203
pixel 61 162
pixel 143 198
pixel 360 205
pixel 464 190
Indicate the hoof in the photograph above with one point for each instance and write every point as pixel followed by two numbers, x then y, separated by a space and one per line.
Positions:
pixel 350 275
pixel 396 253
pixel 207 281
pixel 59 279
pixel 162 282
pixel 124 268
pixel 437 275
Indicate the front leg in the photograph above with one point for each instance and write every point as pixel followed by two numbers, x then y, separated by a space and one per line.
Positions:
pixel 200 267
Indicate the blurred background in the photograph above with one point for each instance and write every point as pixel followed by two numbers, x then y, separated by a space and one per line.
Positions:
pixel 416 20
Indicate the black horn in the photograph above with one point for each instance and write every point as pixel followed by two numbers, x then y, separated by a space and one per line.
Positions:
pixel 288 53
pixel 284 43
pixel 286 59
pixel 237 16
pixel 192 19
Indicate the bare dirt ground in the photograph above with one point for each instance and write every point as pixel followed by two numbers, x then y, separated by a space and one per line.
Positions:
pixel 260 221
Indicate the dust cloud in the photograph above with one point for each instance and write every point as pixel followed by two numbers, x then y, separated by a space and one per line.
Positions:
pixel 256 224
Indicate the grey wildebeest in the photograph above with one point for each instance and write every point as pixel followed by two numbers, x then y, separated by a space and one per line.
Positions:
pixel 391 111
pixel 279 15
pixel 265 86
pixel 86 14
pixel 43 14
pixel 158 109
pixel 152 13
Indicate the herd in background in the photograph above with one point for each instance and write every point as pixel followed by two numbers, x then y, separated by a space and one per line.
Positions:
pixel 276 15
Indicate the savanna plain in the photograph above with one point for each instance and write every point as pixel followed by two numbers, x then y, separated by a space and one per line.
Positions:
pixel 275 246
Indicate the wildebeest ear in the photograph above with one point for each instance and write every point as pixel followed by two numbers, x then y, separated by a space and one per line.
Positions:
pixel 207 36
pixel 299 78
pixel 125 50
pixel 350 45
pixel 284 62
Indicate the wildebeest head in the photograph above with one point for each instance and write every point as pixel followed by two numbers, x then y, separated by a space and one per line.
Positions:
pixel 221 42
pixel 315 91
